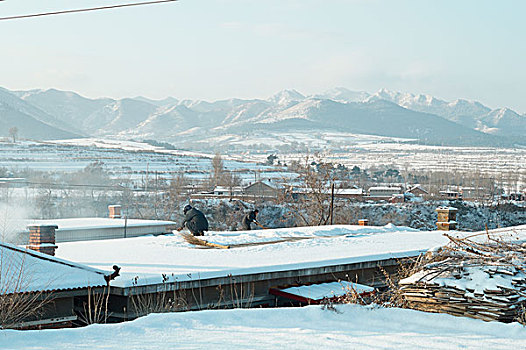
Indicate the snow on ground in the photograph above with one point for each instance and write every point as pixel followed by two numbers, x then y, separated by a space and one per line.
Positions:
pixel 301 247
pixel 354 327
pixel 104 143
pixel 126 159
pixel 315 139
pixel 131 146
pixel 134 158
pixel 414 157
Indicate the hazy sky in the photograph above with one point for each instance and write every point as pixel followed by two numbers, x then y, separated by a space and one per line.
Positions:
pixel 213 49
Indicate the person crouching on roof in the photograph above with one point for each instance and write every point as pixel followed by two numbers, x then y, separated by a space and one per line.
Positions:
pixel 250 218
pixel 194 220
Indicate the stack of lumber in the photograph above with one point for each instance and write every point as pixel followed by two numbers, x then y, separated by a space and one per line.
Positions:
pixel 483 280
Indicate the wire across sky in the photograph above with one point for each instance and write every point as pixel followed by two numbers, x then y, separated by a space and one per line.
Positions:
pixel 109 7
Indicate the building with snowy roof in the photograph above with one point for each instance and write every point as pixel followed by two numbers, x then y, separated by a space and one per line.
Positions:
pixel 85 229
pixel 384 192
pixel 356 193
pixel 450 194
pixel 261 189
pixel 175 276
pixel 38 290
pixel 228 191
pixel 299 192
pixel 168 267
pixel 13 182
pixel 417 190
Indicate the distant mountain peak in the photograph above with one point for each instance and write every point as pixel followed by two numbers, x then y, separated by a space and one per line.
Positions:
pixel 162 102
pixel 504 112
pixel 341 94
pixel 287 96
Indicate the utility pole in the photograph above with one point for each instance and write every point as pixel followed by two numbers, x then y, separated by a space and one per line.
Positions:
pixel 147 180
pixel 332 202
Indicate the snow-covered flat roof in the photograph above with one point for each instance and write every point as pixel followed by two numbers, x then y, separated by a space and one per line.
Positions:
pixel 97 223
pixel 303 247
pixel 23 270
pixel 328 290
pixel 349 191
pixel 445 207
pixel 149 257
pixel 228 189
pixel 385 188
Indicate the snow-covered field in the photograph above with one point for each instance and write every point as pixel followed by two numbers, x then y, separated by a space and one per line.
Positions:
pixel 313 140
pixel 125 159
pixel 486 160
pixel 353 327
pixel 364 151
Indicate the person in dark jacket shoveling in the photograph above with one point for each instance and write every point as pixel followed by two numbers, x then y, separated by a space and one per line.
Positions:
pixel 194 220
pixel 250 218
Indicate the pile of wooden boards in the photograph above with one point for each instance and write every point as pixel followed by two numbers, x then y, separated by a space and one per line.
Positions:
pixel 486 281
pixel 491 304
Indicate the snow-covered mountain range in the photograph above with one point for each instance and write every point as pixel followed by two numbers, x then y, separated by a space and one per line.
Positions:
pixel 53 114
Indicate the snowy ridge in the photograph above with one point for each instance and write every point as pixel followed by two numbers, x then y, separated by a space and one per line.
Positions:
pixel 430 104
pixel 341 94
pixel 31 121
pixel 384 113
pixel 473 114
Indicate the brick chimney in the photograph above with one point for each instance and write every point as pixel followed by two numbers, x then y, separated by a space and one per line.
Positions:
pixel 42 238
pixel 363 222
pixel 446 218
pixel 115 211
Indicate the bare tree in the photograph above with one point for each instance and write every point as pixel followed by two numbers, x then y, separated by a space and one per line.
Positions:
pixel 230 180
pixel 18 302
pixel 312 202
pixel 218 170
pixel 13 133
pixel 175 195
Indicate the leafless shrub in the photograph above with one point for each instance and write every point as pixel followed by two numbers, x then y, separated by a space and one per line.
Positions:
pixel 17 302
pixel 352 296
pixel 95 310
pixel 521 317
pixel 329 305
pixel 392 296
pixel 236 295
pixel 160 302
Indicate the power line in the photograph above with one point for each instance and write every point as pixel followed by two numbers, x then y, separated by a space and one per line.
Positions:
pixel 55 185
pixel 85 9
